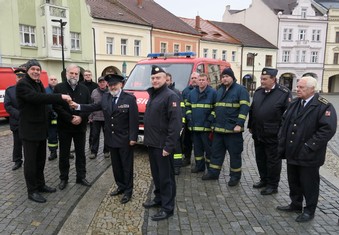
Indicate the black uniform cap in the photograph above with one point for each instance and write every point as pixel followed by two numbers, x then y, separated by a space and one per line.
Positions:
pixel 269 71
pixel 114 78
pixel 157 69
pixel 20 71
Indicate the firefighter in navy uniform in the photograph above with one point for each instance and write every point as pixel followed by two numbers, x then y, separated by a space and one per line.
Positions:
pixel 162 130
pixel 178 149
pixel 269 103
pixel 200 116
pixel 231 109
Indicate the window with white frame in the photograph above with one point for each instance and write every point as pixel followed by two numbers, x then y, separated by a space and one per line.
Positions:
pixel 176 48
pixel 137 44
pixel 316 35
pixel 205 53
pixel 302 34
pixel 109 45
pixel 287 35
pixel 285 56
pixel 233 55
pixel 43 36
pixel 303 13
pixel 27 35
pixel 336 58
pixel 75 41
pixel 214 53
pixel 163 47
pixel 224 55
pixel 123 46
pixel 188 48
pixel 297 56
pixel 56 34
pixel 303 56
pixel 314 56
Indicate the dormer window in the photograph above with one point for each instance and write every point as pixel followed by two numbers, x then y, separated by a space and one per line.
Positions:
pixel 303 13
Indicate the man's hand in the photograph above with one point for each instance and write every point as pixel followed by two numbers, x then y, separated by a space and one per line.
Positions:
pixel 132 142
pixel 73 104
pixel 237 128
pixel 66 98
pixel 164 153
pixel 76 120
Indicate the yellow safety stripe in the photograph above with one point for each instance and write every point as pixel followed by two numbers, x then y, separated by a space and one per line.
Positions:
pixel 213 114
pixel 183 120
pixel 196 128
pixel 207 160
pixel 214 166
pixel 229 105
pixel 199 158
pixel 188 111
pixel 202 106
pixel 177 156
pixel 235 170
pixel 244 102
pixel 242 116
pixel 188 104
pixel 52 145
pixel 223 130
pixel 54 122
pixel 182 104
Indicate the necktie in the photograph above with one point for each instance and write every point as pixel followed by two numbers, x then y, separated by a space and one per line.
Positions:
pixel 302 105
pixel 114 101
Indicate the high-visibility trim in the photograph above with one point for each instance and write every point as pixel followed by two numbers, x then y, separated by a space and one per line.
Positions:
pixel 188 111
pixel 177 156
pixel 202 106
pixel 188 104
pixel 235 169
pixel 198 158
pixel 242 116
pixel 223 130
pixel 217 167
pixel 229 105
pixel 52 145
pixel 183 120
pixel 207 160
pixel 54 122
pixel 197 128
pixel 213 114
pixel 244 102
pixel 182 104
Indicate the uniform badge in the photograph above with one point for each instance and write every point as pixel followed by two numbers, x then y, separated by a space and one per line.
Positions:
pixel 328 113
pixel 174 104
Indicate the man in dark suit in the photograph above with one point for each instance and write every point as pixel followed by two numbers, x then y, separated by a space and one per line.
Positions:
pixel 11 106
pixel 72 125
pixel 33 125
pixel 309 122
pixel 121 132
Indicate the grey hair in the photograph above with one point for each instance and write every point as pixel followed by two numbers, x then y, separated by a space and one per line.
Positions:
pixel 310 82
pixel 71 66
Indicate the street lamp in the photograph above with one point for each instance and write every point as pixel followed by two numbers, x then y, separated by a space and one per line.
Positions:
pixel 62 24
pixel 253 55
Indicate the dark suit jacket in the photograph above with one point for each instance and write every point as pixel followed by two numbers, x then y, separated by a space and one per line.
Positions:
pixel 32 100
pixel 12 107
pixel 121 121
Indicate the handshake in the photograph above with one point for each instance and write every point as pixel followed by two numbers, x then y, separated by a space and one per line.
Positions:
pixel 70 102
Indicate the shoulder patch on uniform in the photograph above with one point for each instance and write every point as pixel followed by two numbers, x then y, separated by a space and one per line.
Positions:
pixel 283 88
pixel 323 100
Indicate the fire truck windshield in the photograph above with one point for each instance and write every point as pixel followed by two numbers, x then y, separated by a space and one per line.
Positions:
pixel 139 79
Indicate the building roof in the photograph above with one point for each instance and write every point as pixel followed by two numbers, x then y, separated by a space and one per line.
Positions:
pixel 112 10
pixel 157 16
pixel 329 3
pixel 209 31
pixel 243 34
pixel 285 6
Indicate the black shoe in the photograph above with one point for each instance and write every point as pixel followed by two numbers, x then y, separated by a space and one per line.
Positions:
pixel 36 197
pixel 304 217
pixel 269 191
pixel 151 204
pixel 93 156
pixel 260 184
pixel 116 192
pixel 46 189
pixel 16 166
pixel 177 170
pixel 83 182
pixel 52 156
pixel 233 182
pixel 196 170
pixel 125 199
pixel 290 208
pixel 161 215
pixel 63 184
pixel 209 176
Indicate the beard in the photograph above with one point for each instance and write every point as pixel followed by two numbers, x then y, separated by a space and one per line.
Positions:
pixel 114 93
pixel 73 81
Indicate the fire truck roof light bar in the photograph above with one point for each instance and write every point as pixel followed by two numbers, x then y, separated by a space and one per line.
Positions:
pixel 156 55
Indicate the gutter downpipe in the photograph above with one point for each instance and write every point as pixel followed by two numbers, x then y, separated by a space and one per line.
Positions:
pixel 95 55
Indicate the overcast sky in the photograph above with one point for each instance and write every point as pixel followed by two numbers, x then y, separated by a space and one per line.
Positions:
pixel 207 9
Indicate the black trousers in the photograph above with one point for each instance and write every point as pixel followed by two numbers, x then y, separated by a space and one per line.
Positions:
pixel 65 140
pixel 122 165
pixel 17 147
pixel 34 164
pixel 304 182
pixel 162 169
pixel 187 143
pixel 97 126
pixel 268 162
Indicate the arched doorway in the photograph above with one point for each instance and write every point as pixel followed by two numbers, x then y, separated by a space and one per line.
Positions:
pixel 111 70
pixel 286 79
pixel 247 80
pixel 333 83
pixel 310 74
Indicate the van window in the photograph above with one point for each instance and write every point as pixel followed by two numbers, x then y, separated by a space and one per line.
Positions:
pixel 139 78
pixel 214 74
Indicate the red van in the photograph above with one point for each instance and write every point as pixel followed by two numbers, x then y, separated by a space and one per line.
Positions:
pixel 181 65
pixel 7 78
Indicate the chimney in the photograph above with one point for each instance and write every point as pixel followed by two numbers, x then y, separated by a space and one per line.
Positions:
pixel 197 23
pixel 139 3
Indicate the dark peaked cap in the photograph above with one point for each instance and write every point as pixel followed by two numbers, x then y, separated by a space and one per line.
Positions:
pixel 113 78
pixel 269 71
pixel 157 69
